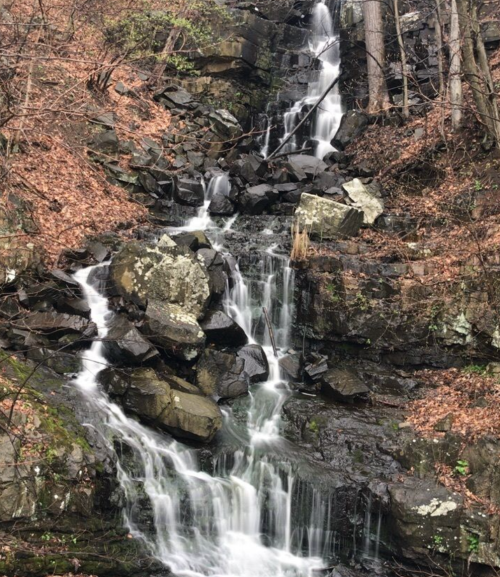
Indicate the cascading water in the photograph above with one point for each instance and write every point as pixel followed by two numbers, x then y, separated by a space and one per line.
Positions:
pixel 324 45
pixel 241 519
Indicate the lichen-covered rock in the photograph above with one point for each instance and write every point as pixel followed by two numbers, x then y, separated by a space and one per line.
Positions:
pixel 174 406
pixel 174 330
pixel 422 510
pixel 165 272
pixel 366 197
pixel 326 219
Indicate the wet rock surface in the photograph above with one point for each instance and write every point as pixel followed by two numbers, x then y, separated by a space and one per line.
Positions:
pixel 222 375
pixel 174 405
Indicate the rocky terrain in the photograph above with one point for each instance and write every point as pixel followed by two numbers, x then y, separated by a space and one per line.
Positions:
pixel 395 331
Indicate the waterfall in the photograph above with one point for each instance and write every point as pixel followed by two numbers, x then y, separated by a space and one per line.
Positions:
pixel 324 45
pixel 251 516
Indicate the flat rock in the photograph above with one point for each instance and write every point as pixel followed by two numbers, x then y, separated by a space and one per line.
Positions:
pixel 169 404
pixel 311 165
pixel 343 384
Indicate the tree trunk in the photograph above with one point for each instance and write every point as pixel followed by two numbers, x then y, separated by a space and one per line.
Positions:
pixel 375 48
pixel 439 41
pixel 456 96
pixel 402 52
pixel 477 69
pixel 169 45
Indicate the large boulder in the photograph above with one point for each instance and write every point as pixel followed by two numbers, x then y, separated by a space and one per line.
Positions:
pixel 165 272
pixel 169 403
pixel 222 330
pixel 125 344
pixel 326 219
pixel 343 384
pixel 366 197
pixel 222 375
pixel 258 198
pixel 175 331
pixel 311 165
pixel 352 125
pixel 256 363
pixel 420 510
pixel 189 192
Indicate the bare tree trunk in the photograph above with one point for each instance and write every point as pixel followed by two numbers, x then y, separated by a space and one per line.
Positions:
pixel 375 47
pixel 477 69
pixel 439 41
pixel 404 66
pixel 456 95
pixel 169 46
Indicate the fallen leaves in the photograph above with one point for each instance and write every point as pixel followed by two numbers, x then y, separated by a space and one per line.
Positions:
pixel 473 399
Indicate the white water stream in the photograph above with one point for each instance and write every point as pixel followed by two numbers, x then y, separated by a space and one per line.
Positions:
pixel 241 519
pixel 250 515
pixel 324 45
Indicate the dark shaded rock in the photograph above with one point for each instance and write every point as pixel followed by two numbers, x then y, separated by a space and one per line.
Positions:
pixel 221 205
pixel 315 367
pixel 222 375
pixel 257 198
pixel 107 119
pixel 124 344
pixel 353 124
pixel 56 324
pixel 60 275
pixel 291 366
pixel 256 364
pixel 214 263
pixel 106 142
pixel 292 197
pixel 189 240
pixel 222 330
pixel 98 251
pixel 59 361
pixel 225 124
pixel 250 168
pixel 74 307
pixel 189 192
pixel 343 384
pixel 174 97
pixel 310 165
pixel 47 292
pixel 286 187
pixel 173 330
pixel 295 172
